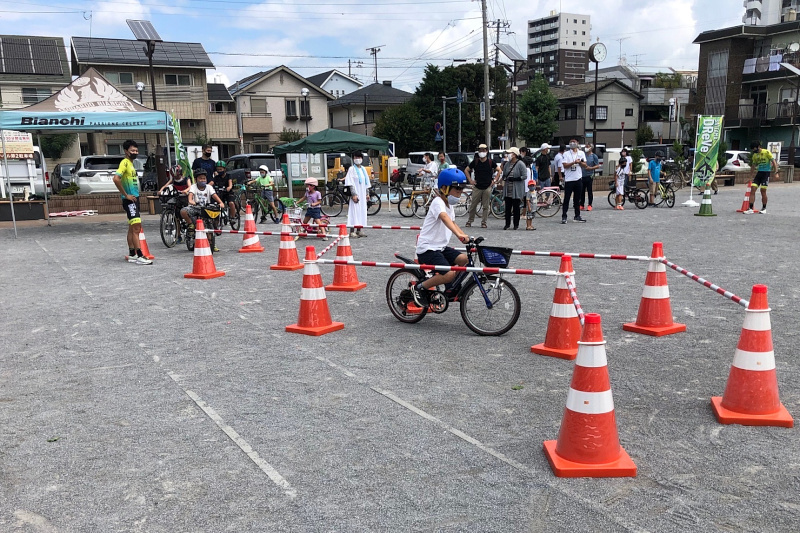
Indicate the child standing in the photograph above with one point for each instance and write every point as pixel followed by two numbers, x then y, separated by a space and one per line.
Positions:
pixel 531 203
pixel 313 211
pixel 622 174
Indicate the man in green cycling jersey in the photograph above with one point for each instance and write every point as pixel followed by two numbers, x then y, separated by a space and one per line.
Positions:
pixel 127 181
pixel 761 162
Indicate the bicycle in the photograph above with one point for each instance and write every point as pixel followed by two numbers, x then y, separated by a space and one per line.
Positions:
pixel 296 215
pixel 664 194
pixel 210 214
pixel 632 194
pixel 548 201
pixel 333 202
pixel 489 304
pixel 172 225
pixel 406 206
pixel 258 203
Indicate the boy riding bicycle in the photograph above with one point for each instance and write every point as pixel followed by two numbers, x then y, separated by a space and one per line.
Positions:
pixel 439 226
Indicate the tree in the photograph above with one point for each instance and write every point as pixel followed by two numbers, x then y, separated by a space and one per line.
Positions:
pixel 644 134
pixel 404 126
pixel 537 114
pixel 55 145
pixel 289 135
pixel 201 140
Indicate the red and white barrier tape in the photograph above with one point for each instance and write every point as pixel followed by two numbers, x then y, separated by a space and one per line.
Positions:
pixel 331 245
pixel 716 288
pixel 83 213
pixel 574 295
pixel 274 233
pixel 441 268
pixel 578 255
pixel 415 228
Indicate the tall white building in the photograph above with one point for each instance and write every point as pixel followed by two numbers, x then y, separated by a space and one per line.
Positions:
pixel 558 46
pixel 767 12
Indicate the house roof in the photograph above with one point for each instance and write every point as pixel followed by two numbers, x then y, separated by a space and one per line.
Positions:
pixel 37 56
pixel 581 91
pixel 377 94
pixel 747 31
pixel 217 92
pixel 322 78
pixel 241 85
pixel 130 52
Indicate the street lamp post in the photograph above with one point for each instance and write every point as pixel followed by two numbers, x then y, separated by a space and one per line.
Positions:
pixel 140 87
pixel 304 94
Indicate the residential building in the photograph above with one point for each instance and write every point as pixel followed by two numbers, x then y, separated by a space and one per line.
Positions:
pixel 617 113
pixel 180 86
pixel 558 47
pixel 740 76
pixel 359 110
pixel 657 89
pixel 271 101
pixel 768 12
pixel 336 83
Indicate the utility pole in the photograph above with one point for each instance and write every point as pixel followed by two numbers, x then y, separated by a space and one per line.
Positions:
pixel 497 25
pixel 351 64
pixel 374 53
pixel 486 101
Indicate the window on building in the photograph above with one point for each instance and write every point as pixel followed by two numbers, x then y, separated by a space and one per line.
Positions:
pixel 583 33
pixel 291 108
pixel 583 43
pixel 716 86
pixel 602 112
pixel 305 108
pixel 34 95
pixel 579 66
pixel 552 57
pixel 258 105
pixel 120 78
pixel 574 76
pixel 574 32
pixel 571 113
pixel 583 21
pixel 628 111
pixel 575 21
pixel 178 79
pixel 574 43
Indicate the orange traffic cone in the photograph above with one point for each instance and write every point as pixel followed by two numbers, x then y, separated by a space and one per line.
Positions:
pixel 564 326
pixel 203 266
pixel 588 443
pixel 287 254
pixel 655 311
pixel 143 246
pixel 314 318
pixel 250 243
pixel 345 277
pixel 746 201
pixel 751 395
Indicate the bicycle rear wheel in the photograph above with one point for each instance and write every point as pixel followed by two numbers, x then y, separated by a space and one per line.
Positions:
pixel 420 206
pixel 373 203
pixel 497 206
pixel 486 320
pixel 548 203
pixel 640 199
pixel 399 298
pixel 276 215
pixel 395 194
pixel 406 206
pixel 169 229
pixel 462 207
pixel 332 204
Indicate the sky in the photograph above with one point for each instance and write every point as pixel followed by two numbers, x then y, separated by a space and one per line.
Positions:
pixel 312 36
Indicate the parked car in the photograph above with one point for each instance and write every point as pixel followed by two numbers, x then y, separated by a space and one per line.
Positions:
pixel 461 159
pixel 62 177
pixel 738 161
pixel 649 151
pixel 94 174
pixel 244 167
pixel 416 161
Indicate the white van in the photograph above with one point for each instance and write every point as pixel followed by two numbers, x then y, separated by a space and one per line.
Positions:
pixel 31 173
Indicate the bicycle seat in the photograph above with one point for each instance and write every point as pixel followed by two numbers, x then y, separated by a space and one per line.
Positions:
pixel 404 259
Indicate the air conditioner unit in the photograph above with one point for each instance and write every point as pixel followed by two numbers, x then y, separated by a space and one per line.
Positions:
pixel 559 83
pixel 191 124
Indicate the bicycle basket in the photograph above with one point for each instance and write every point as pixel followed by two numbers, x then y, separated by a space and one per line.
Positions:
pixel 295 212
pixel 494 256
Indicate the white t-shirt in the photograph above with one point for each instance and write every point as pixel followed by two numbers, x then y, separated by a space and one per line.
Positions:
pixel 202 197
pixel 434 234
pixel 630 165
pixel 557 160
pixel 573 173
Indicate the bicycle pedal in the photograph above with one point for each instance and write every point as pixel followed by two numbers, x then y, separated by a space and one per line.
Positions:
pixel 437 302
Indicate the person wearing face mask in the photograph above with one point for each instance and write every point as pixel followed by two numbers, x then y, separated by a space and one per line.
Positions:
pixel 483 169
pixel 434 237
pixel 573 160
pixel 543 165
pixel 358 181
pixel 200 195
pixel 592 164
pixel 205 162
pixel 654 176
pixel 429 171
pixel 514 174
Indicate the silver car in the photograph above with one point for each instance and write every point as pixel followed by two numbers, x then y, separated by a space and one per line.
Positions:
pixel 94 174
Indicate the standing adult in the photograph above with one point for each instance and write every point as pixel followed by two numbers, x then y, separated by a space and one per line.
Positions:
pixel 483 168
pixel 429 171
pixel 513 176
pixel 543 165
pixel 654 176
pixel 573 160
pixel 358 181
pixel 587 176
pixel 761 162
pixel 558 173
pixel 127 181
pixel 205 162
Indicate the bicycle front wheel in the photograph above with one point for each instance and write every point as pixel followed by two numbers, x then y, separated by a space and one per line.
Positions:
pixel 373 204
pixel 398 296
pixel 332 204
pixel 462 208
pixel 235 221
pixel 497 206
pixel 549 203
pixel 169 229
pixel 669 197
pixel 395 194
pixel 406 206
pixel 420 207
pixel 276 215
pixel 492 314
pixel 640 199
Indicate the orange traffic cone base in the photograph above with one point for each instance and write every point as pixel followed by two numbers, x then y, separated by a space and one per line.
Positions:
pixel 562 353
pixel 654 331
pixel 622 467
pixel 217 274
pixel 289 267
pixel 254 250
pixel 350 287
pixel 781 418
pixel 314 331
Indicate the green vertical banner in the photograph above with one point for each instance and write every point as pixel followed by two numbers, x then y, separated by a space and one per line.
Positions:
pixel 706 150
pixel 181 156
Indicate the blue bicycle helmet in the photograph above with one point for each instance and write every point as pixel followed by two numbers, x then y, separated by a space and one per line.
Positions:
pixel 449 177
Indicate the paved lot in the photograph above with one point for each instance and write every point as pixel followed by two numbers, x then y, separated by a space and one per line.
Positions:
pixel 132 399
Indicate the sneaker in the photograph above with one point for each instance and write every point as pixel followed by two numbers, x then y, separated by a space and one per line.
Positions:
pixel 215 249
pixel 132 258
pixel 263 219
pixel 589 208
pixel 620 208
pixel 468 225
pixel 362 234
pixel 143 261
pixel 748 212
pixel 564 220
pixel 579 219
pixel 581 208
pixel 763 211
pixel 353 235
pixel 420 297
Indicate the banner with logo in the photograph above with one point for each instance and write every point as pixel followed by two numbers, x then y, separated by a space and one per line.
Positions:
pixel 181 155
pixel 706 152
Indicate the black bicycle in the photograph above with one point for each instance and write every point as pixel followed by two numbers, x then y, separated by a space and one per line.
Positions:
pixel 172 225
pixel 632 194
pixel 338 196
pixel 490 305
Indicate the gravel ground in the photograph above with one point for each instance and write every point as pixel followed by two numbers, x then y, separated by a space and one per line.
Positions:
pixel 133 399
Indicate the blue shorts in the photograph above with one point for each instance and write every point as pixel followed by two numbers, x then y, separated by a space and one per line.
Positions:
pixel 446 257
pixel 314 212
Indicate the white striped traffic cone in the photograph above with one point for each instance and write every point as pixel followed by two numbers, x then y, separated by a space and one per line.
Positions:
pixel 564 326
pixel 203 264
pixel 287 254
pixel 314 317
pixel 250 242
pixel 345 277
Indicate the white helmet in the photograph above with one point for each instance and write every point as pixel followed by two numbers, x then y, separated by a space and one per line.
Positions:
pixel 265 168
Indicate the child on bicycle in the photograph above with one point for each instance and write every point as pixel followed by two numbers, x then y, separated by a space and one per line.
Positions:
pixel 313 211
pixel 531 204
pixel 268 186
pixel 622 174
pixel 439 226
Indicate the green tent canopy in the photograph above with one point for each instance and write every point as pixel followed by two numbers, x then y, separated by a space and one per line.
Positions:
pixel 332 140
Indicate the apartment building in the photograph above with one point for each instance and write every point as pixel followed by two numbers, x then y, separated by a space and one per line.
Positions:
pixel 768 12
pixel 558 47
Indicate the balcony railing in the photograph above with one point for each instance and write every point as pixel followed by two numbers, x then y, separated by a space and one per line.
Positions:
pixel 778 114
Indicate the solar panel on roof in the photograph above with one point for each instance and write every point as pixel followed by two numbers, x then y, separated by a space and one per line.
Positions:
pixel 143 30
pixel 17 56
pixel 46 59
pixel 509 52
